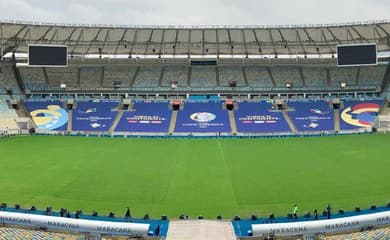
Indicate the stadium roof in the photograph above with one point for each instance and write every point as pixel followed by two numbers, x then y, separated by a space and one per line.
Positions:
pixel 193 40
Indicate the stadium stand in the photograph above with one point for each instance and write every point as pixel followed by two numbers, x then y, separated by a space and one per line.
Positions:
pixel 258 77
pixel 203 77
pixel 91 77
pixel 34 78
pixel 282 74
pixel 177 73
pixel 315 77
pixel 155 76
pixel 124 74
pixel 231 73
pixel 372 75
pixel 148 77
pixel 7 117
pixel 374 234
pixel 9 233
pixel 343 75
pixel 9 80
pixel 68 76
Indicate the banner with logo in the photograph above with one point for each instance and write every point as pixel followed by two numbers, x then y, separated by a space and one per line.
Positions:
pixel 311 116
pixel 48 115
pixel 94 116
pixel 359 114
pixel 74 225
pixel 203 117
pixel 259 117
pixel 321 226
pixel 146 117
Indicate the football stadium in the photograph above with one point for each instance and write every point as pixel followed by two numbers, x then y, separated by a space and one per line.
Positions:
pixel 203 132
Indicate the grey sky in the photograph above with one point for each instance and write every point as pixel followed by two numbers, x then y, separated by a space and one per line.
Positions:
pixel 195 12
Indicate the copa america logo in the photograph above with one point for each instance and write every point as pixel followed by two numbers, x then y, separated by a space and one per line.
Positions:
pixel 203 117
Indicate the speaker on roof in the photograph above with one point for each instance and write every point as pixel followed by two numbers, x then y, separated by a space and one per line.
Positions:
pixel 232 83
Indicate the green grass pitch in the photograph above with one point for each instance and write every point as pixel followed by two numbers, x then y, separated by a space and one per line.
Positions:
pixel 195 176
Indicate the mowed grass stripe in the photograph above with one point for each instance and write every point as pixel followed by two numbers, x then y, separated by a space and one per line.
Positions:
pixel 201 180
pixel 193 176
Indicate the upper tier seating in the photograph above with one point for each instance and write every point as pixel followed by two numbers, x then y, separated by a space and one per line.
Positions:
pixel 203 77
pixel 177 73
pixel 258 77
pixel 231 73
pixel 283 74
pixel 148 77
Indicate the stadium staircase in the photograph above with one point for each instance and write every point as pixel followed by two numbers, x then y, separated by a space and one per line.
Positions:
pixel 46 76
pixel 336 113
pixel 18 77
pixel 217 76
pixel 385 110
pixel 200 230
pixel 172 124
pixel 189 74
pixel 328 81
pixel 160 80
pixel 244 76
pixel 134 77
pixel 21 111
pixel 289 122
pixel 386 81
pixel 357 76
pixel 232 121
pixel 302 76
pixel 102 70
pixel 78 77
pixel 116 121
pixel 271 76
pixel 70 117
